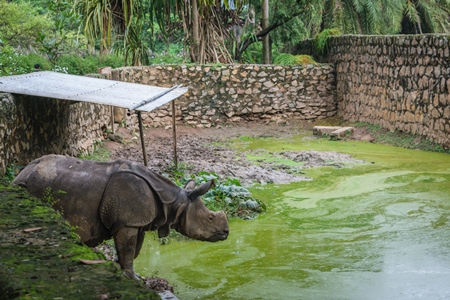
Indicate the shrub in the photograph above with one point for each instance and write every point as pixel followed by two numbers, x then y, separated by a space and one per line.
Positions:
pixel 79 65
pixel 11 62
pixel 289 59
pixel 321 40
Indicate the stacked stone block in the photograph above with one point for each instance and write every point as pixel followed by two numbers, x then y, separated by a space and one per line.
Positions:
pixel 231 93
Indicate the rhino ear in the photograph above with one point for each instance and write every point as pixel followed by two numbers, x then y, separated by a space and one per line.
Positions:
pixel 201 190
pixel 190 185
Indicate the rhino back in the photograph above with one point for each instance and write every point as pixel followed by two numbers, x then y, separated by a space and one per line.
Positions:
pixel 74 177
pixel 74 187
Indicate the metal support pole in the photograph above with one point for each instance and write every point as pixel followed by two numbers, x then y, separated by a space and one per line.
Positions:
pixel 112 119
pixel 141 133
pixel 174 131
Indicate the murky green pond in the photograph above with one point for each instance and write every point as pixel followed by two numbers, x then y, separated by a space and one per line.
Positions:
pixel 374 231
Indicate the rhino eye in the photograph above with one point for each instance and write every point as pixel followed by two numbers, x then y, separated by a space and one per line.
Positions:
pixel 211 217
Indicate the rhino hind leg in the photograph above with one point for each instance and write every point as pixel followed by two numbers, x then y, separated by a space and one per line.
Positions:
pixel 140 241
pixel 126 241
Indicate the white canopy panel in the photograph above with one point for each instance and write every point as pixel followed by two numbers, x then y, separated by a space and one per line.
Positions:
pixel 88 89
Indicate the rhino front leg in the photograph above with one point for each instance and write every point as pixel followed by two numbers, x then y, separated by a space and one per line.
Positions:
pixel 126 240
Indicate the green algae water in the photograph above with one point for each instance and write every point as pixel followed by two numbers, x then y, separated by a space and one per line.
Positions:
pixel 378 230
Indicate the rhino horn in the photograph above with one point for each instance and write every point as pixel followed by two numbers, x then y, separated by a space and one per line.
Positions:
pixel 201 190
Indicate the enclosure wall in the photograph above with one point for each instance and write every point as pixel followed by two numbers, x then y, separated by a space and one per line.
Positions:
pixel 398 82
pixel 33 126
pixel 230 93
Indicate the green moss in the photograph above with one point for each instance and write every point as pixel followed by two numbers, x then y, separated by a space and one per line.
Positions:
pixel 401 139
pixel 45 263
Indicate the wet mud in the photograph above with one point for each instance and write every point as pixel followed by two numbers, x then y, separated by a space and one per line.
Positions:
pixel 219 150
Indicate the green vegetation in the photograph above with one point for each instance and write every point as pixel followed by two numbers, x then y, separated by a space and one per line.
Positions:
pixel 227 195
pixel 100 153
pixel 171 32
pixel 40 257
pixel 289 59
pixel 321 40
pixel 401 139
pixel 21 24
pixel 79 65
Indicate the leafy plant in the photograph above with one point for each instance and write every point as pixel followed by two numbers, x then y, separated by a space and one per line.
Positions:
pixel 132 45
pixel 229 196
pixel 253 53
pixel 171 54
pixel 11 62
pixel 289 59
pixel 62 38
pixel 81 65
pixel 321 40
pixel 20 24
pixel 11 172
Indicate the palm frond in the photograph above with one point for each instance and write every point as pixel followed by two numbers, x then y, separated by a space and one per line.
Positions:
pixel 391 16
pixel 413 15
pixel 435 14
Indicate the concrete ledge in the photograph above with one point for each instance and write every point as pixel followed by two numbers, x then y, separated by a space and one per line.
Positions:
pixel 341 131
pixel 321 130
pixel 333 131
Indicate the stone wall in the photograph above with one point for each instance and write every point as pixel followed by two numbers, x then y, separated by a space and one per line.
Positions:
pixel 33 126
pixel 399 82
pixel 220 94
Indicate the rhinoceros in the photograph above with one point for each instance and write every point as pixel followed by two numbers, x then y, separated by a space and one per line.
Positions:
pixel 121 200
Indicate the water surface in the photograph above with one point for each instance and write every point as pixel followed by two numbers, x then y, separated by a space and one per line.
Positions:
pixel 379 230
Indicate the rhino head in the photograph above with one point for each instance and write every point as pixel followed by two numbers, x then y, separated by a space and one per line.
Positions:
pixel 197 221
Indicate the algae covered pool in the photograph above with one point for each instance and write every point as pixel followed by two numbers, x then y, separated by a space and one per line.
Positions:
pixel 378 230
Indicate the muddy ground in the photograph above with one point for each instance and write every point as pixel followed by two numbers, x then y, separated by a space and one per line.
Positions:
pixel 206 149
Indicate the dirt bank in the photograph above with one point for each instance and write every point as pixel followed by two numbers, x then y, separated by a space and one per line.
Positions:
pixel 208 149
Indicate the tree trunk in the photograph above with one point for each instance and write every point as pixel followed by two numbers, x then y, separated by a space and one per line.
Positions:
pixel 267 59
pixel 195 51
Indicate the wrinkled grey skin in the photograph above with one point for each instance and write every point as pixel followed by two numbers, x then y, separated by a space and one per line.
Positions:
pixel 121 199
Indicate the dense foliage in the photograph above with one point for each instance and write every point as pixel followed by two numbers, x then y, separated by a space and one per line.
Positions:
pixel 175 31
pixel 20 24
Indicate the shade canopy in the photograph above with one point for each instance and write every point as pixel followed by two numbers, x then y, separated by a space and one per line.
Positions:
pixel 133 96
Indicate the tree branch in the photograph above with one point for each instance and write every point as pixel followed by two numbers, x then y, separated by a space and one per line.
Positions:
pixel 244 44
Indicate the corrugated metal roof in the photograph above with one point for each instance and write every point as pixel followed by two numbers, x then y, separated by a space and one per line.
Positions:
pixel 88 89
